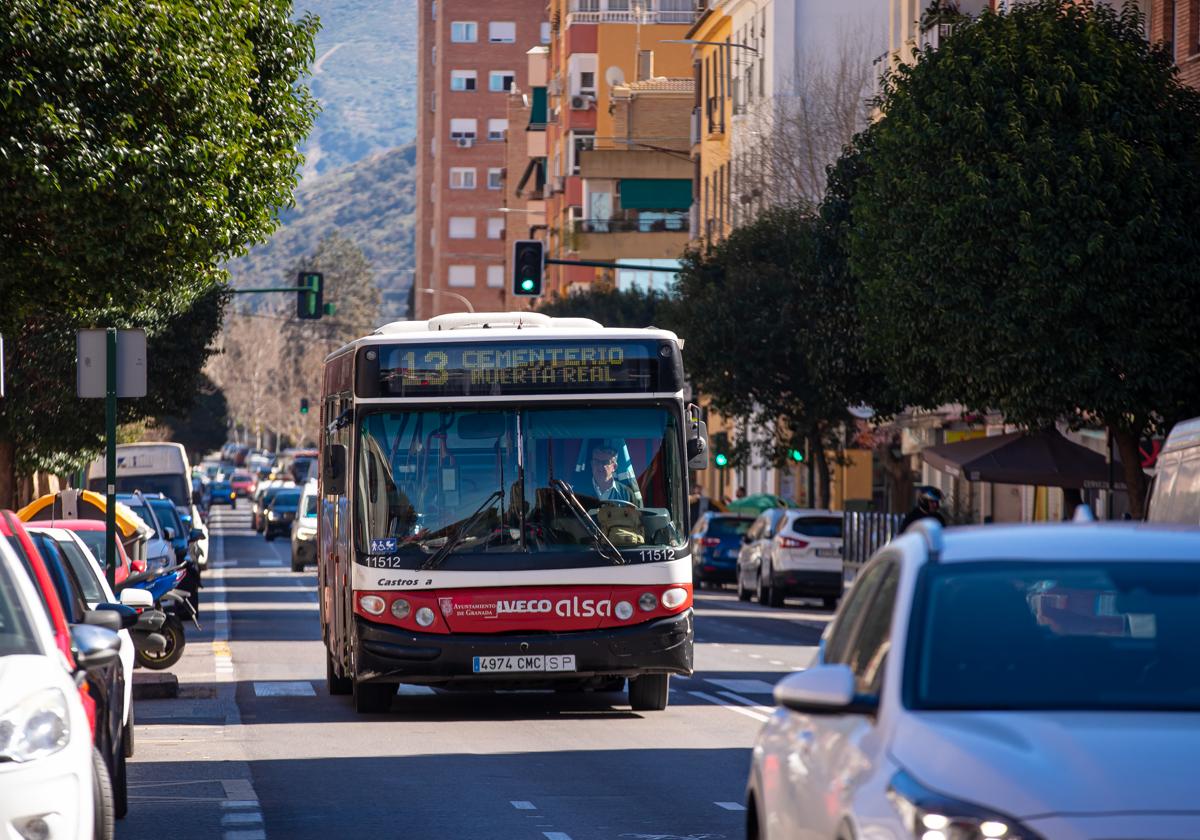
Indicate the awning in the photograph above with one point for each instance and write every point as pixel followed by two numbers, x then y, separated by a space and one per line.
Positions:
pixel 537 109
pixel 84 504
pixel 758 503
pixel 656 194
pixel 1045 459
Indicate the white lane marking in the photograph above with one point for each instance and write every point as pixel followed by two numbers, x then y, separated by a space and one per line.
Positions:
pixel 745 701
pixel 241 818
pixel 556 835
pixel 745 686
pixel 731 806
pixel 284 688
pixel 240 803
pixel 776 661
pixel 270 561
pixel 717 701
pixel 239 791
pixel 523 805
pixel 415 691
pixel 254 834
pixel 755 655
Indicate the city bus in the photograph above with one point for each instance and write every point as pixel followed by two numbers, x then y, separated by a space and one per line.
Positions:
pixel 503 503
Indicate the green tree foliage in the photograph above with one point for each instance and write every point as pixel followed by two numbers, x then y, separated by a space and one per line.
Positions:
pixel 204 427
pixel 612 307
pixel 1026 228
pixel 141 145
pixel 771 332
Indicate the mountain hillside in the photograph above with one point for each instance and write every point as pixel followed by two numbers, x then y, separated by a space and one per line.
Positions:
pixel 364 76
pixel 370 202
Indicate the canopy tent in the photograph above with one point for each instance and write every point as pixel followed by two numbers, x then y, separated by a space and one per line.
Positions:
pixel 86 504
pixel 1045 459
pixel 758 503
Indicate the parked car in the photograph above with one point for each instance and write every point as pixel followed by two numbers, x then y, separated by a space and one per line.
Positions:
pixel 281 512
pixel 221 493
pixel 242 483
pixel 47 776
pixel 716 543
pixel 304 529
pixel 1175 496
pixel 1010 682
pixel 792 554
pixel 262 500
pixel 160 551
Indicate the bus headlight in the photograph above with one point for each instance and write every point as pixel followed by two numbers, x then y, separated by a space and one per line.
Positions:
pixel 624 610
pixel 372 604
pixel 424 616
pixel 674 597
pixel 647 602
pixel 401 608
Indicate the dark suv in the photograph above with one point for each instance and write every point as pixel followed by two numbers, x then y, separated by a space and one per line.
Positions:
pixel 716 541
pixel 281 512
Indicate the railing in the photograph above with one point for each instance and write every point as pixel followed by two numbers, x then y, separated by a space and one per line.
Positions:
pixel 864 533
pixel 674 223
pixel 644 18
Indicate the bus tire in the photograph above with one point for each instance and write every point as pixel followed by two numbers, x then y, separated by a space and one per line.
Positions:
pixel 373 698
pixel 338 686
pixel 649 692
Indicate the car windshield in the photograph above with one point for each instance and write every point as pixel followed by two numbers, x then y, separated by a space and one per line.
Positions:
pixel 96 544
pixel 310 506
pixel 286 499
pixel 85 573
pixel 818 526
pixel 529 481
pixel 727 526
pixel 167 515
pixel 173 486
pixel 16 632
pixel 1075 636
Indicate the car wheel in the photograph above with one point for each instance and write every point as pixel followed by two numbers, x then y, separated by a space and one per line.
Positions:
pixel 127 738
pixel 120 786
pixel 742 592
pixel 102 807
pixel 270 535
pixel 338 686
pixel 649 692
pixel 297 565
pixel 774 596
pixel 829 603
pixel 373 698
pixel 760 589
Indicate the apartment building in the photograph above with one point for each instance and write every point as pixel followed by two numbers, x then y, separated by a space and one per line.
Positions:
pixel 603 52
pixel 471 56
pixel 1177 22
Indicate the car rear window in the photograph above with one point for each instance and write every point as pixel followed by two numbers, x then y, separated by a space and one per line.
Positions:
pixel 287 498
pixel 728 526
pixel 818 526
pixel 16 633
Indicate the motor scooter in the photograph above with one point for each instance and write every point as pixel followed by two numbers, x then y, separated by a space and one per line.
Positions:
pixel 173 605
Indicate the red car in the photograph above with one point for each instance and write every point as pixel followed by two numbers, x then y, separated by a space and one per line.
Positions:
pixel 242 484
pixel 91 531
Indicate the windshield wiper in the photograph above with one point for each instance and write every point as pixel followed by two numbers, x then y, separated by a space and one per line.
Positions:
pixel 461 533
pixel 599 539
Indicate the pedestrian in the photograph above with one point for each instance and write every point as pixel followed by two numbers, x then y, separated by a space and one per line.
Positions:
pixel 929 501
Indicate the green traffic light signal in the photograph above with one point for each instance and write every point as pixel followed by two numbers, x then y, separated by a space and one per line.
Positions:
pixel 721 459
pixel 527 285
pixel 304 405
pixel 796 455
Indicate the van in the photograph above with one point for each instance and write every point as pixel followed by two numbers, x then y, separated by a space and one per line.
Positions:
pixel 155 468
pixel 1176 493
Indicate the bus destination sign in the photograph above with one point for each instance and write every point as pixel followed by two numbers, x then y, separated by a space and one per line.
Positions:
pixel 526 367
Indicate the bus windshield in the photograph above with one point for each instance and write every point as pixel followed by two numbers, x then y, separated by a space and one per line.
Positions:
pixel 520 481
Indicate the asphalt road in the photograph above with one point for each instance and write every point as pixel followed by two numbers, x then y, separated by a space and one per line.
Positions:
pixel 255 747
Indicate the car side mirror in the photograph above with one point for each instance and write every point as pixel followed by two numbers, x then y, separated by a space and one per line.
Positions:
pixel 824 690
pixel 127 615
pixel 139 599
pixel 169 533
pixel 195 535
pixel 334 469
pixel 108 619
pixel 95 647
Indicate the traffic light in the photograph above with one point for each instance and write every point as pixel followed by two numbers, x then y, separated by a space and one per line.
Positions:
pixel 797 455
pixel 310 299
pixel 720 448
pixel 529 263
pixel 304 405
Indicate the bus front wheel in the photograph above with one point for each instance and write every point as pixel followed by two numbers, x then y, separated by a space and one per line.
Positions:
pixel 373 698
pixel 649 692
pixel 337 685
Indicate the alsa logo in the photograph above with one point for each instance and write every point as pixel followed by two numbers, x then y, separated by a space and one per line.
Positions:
pixel 564 607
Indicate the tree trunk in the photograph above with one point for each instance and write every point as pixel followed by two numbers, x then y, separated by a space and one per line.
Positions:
pixel 821 463
pixel 1131 466
pixel 8 476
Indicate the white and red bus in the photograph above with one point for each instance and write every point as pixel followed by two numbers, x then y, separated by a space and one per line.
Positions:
pixel 503 504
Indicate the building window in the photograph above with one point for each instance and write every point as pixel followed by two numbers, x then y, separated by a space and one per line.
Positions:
pixel 545 32
pixel 497 128
pixel 495 276
pixel 502 32
pixel 581 141
pixel 463 130
pixel 461 276
pixel 464 32
pixel 462 80
pixel 433 55
pixel 495 178
pixel 501 80
pixel 587 83
pixel 462 227
pixel 462 177
pixel 433 10
pixel 495 228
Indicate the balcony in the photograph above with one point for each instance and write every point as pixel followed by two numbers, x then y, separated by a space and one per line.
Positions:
pixel 672 221
pixel 679 12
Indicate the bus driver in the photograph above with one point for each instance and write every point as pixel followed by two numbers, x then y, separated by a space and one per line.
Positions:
pixel 604 484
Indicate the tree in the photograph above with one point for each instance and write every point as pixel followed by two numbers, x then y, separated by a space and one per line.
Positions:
pixel 141 145
pixel 612 307
pixel 1025 225
pixel 771 335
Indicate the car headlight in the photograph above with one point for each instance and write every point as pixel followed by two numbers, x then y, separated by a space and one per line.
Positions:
pixel 272 515
pixel 305 533
pixel 930 815
pixel 36 727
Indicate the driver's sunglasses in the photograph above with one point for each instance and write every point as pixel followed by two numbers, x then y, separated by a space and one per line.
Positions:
pixel 601 461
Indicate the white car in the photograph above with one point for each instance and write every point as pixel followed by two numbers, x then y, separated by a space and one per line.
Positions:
pixel 1003 682
pixel 304 529
pixel 46 766
pixel 792 554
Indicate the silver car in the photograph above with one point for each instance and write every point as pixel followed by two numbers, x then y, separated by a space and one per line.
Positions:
pixel 792 554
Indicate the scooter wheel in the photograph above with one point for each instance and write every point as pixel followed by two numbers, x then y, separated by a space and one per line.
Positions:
pixel 172 631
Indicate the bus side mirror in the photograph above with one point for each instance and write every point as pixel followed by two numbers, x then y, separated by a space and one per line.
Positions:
pixel 334 477
pixel 697 447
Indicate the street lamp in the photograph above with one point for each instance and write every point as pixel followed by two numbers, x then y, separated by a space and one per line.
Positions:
pixel 466 302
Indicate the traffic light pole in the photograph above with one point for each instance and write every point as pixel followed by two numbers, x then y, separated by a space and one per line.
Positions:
pixel 603 264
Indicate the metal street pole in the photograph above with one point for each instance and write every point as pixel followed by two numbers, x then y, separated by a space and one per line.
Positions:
pixel 110 455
